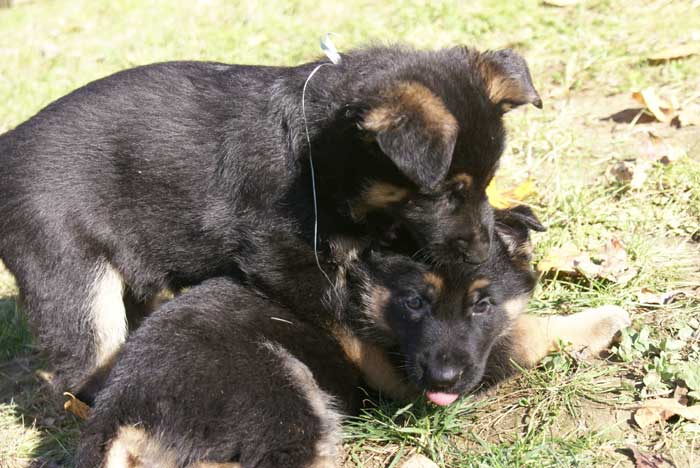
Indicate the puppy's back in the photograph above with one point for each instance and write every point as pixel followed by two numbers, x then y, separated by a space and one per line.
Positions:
pixel 219 374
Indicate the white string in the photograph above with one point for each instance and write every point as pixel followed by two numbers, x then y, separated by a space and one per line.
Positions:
pixel 313 173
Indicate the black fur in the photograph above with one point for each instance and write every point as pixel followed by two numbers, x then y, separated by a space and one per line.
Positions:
pixel 205 376
pixel 168 174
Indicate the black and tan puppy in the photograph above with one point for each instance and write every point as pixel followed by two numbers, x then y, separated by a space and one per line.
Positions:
pixel 168 174
pixel 221 376
pixel 271 384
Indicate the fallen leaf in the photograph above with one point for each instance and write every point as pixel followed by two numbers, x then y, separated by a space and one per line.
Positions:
pixel 505 198
pixel 663 110
pixel 614 265
pixel 649 297
pixel 569 260
pixel 622 171
pixel 560 3
pixel 662 409
pixel 647 460
pixel 673 53
pixel 418 461
pixel 609 263
pixel 75 406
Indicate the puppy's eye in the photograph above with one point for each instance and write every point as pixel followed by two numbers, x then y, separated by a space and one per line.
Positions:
pixel 414 303
pixel 483 306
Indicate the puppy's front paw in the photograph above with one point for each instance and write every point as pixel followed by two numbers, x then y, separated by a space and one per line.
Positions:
pixel 594 329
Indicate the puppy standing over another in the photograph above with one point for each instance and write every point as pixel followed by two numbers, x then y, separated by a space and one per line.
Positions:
pixel 165 175
pixel 222 376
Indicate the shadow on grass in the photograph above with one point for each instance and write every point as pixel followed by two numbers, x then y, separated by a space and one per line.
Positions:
pixel 29 405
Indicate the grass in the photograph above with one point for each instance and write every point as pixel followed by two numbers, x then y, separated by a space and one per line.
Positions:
pixel 585 60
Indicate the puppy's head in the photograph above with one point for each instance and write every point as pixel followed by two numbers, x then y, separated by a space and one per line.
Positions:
pixel 438 120
pixel 443 325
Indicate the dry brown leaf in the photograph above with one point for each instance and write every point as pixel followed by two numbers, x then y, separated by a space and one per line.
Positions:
pixel 614 265
pixel 622 171
pixel 569 260
pixel 662 409
pixel 662 109
pixel 505 198
pixel 634 173
pixel 75 406
pixel 647 460
pixel 418 461
pixel 647 296
pixel 672 53
pixel 610 263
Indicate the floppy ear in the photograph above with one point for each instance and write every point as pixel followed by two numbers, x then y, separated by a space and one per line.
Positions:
pixel 415 130
pixel 513 226
pixel 507 79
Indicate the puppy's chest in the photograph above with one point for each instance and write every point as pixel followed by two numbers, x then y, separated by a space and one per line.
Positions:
pixel 375 365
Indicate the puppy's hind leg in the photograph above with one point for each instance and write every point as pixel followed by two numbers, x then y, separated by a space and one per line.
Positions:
pixel 76 309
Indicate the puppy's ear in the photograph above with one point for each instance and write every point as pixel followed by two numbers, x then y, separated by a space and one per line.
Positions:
pixel 507 79
pixel 415 130
pixel 513 226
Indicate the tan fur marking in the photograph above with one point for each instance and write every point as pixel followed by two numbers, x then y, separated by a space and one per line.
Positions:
pixel 478 284
pixel 380 119
pixel 108 314
pixel 377 196
pixel 412 98
pixel 505 89
pixel 463 178
pixel 134 448
pixel 530 340
pixel 375 366
pixel 588 332
pixel 328 448
pixel 524 251
pixel 435 281
pixel 516 306
pixel 375 302
pixel 499 86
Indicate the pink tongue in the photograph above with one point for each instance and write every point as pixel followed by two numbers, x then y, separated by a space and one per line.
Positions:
pixel 441 399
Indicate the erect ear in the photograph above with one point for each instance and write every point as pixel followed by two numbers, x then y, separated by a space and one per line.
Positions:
pixel 415 130
pixel 513 226
pixel 507 79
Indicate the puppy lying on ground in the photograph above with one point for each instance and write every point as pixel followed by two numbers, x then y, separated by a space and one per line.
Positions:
pixel 221 376
pixel 165 175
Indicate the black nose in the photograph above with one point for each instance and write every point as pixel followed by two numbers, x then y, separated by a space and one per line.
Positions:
pixel 439 377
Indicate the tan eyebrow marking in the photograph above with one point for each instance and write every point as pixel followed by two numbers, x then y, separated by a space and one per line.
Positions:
pixel 478 284
pixel 435 281
pixel 378 195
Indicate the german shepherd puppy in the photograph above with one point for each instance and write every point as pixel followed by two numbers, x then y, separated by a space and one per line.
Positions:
pixel 165 175
pixel 222 376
